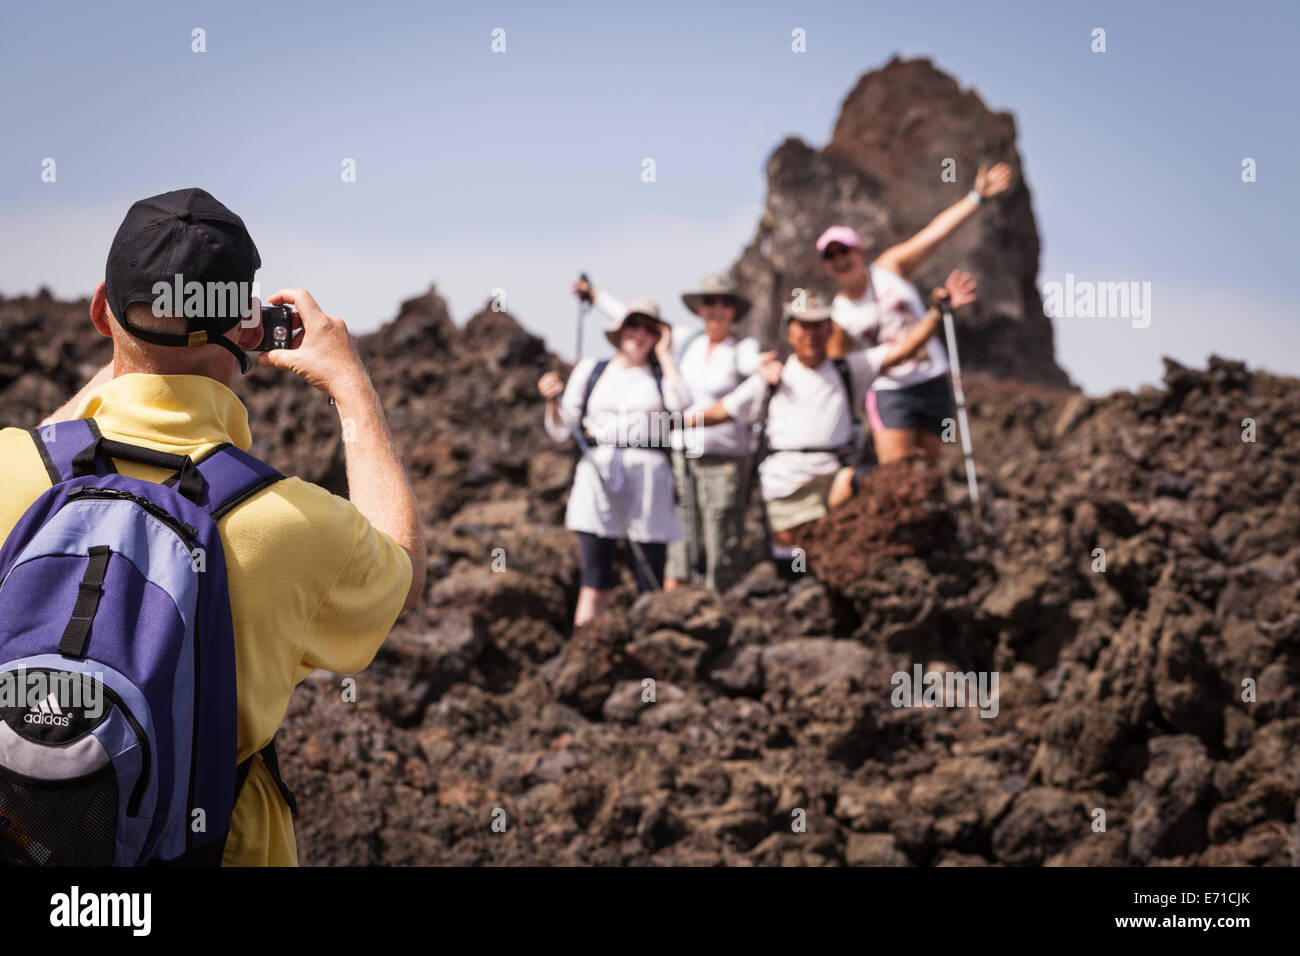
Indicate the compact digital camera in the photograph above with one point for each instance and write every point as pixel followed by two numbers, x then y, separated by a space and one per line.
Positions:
pixel 277 328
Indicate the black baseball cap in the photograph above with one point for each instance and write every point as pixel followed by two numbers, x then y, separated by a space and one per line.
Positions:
pixel 188 234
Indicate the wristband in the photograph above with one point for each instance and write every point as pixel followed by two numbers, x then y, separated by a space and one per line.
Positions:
pixel 974 194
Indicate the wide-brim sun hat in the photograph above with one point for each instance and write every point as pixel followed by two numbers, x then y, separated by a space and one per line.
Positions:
pixel 645 308
pixel 811 308
pixel 717 284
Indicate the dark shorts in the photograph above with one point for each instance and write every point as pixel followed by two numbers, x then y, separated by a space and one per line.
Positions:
pixel 596 555
pixel 920 407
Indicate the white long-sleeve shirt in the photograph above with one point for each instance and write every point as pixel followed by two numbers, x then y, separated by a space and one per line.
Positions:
pixel 625 409
pixel 709 374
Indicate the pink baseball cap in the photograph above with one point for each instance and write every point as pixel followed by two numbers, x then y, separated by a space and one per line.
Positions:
pixel 841 234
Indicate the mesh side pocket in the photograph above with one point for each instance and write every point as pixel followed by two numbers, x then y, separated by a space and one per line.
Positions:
pixel 59 822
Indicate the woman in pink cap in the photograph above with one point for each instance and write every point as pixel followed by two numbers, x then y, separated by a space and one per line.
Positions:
pixel 877 304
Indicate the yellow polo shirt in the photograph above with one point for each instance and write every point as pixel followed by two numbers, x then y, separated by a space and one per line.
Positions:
pixel 312 583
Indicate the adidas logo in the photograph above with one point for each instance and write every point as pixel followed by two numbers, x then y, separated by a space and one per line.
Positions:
pixel 48 713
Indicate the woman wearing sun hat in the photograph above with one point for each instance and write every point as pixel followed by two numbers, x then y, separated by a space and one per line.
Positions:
pixel 709 464
pixel 621 412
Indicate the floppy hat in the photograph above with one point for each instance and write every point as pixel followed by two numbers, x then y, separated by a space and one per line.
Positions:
pixel 841 234
pixel 719 283
pixel 645 308
pixel 181 237
pixel 815 309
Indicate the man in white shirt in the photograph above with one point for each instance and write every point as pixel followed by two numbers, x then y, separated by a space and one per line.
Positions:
pixel 809 414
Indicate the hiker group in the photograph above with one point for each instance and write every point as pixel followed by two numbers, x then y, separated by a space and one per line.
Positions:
pixel 677 499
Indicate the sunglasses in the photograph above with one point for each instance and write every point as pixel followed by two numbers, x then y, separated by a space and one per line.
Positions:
pixel 706 300
pixel 834 251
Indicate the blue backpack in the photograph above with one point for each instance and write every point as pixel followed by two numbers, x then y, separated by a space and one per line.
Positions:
pixel 117 663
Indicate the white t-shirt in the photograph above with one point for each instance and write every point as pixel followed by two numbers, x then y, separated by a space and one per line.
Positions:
pixel 808 410
pixel 624 409
pixel 709 374
pixel 883 316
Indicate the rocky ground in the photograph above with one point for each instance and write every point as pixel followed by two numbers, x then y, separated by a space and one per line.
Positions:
pixel 1120 690
pixel 772 737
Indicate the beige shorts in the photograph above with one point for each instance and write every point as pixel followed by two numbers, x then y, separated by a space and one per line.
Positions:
pixel 806 504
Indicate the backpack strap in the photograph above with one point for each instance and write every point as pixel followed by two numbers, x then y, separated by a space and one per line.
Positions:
pixel 690 340
pixel 657 371
pixel 842 366
pixel 597 371
pixel 61 442
pixel 272 761
pixel 232 476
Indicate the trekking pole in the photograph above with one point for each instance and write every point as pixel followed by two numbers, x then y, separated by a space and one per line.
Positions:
pixel 960 398
pixel 692 533
pixel 584 306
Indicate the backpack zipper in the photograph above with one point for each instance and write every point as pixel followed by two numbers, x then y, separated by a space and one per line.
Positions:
pixel 186 531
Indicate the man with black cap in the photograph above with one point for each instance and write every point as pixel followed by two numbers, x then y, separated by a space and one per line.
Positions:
pixel 177 302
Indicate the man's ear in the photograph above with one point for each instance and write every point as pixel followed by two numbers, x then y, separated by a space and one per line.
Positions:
pixel 99 311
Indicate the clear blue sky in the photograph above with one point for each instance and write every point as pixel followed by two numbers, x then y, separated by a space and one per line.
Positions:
pixel 512 171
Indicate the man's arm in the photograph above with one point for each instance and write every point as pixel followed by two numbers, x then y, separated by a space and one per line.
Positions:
pixel 377 485
pixel 744 402
pixel 715 414
pixel 65 411
pixel 908 255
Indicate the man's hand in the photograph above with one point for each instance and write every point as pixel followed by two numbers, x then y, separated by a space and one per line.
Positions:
pixel 990 182
pixel 771 369
pixel 326 359
pixel 584 290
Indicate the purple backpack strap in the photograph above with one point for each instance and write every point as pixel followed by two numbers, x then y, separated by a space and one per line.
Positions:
pixel 232 476
pixel 59 443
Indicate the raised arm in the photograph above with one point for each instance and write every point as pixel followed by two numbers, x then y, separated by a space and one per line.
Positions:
pixel 604 301
pixel 908 255
pixel 377 484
